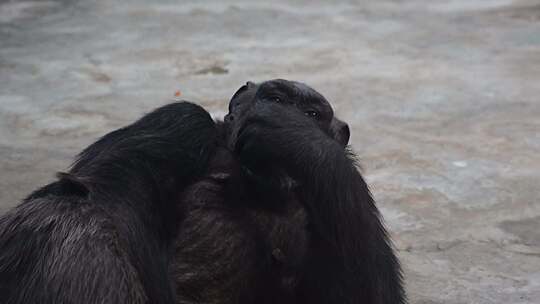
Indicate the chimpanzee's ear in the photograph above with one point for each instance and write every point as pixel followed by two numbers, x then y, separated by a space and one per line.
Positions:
pixel 340 131
pixel 239 91
pixel 247 86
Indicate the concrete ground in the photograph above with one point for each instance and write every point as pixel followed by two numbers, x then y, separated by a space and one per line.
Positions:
pixel 443 98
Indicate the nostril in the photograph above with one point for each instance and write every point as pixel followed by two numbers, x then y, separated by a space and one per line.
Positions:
pixel 229 118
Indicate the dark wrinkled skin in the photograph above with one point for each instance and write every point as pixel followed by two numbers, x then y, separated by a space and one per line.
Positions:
pixel 265 207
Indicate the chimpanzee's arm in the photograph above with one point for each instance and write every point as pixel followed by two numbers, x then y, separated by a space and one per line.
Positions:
pixel 351 258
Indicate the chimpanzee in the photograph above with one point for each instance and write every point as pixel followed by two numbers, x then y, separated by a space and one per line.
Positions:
pixel 265 207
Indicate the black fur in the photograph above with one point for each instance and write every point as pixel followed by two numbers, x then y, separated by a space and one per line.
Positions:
pixel 102 232
pixel 283 215
pixel 266 207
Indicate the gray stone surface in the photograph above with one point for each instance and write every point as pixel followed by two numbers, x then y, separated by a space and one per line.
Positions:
pixel 442 98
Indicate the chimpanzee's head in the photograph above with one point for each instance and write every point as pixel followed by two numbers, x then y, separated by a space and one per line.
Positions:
pixel 290 93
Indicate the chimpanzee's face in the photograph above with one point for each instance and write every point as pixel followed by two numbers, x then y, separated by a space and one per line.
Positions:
pixel 297 95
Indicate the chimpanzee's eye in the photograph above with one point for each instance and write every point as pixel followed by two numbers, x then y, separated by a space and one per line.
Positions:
pixel 275 99
pixel 312 114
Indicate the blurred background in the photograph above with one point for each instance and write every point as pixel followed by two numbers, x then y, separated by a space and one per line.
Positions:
pixel 443 100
